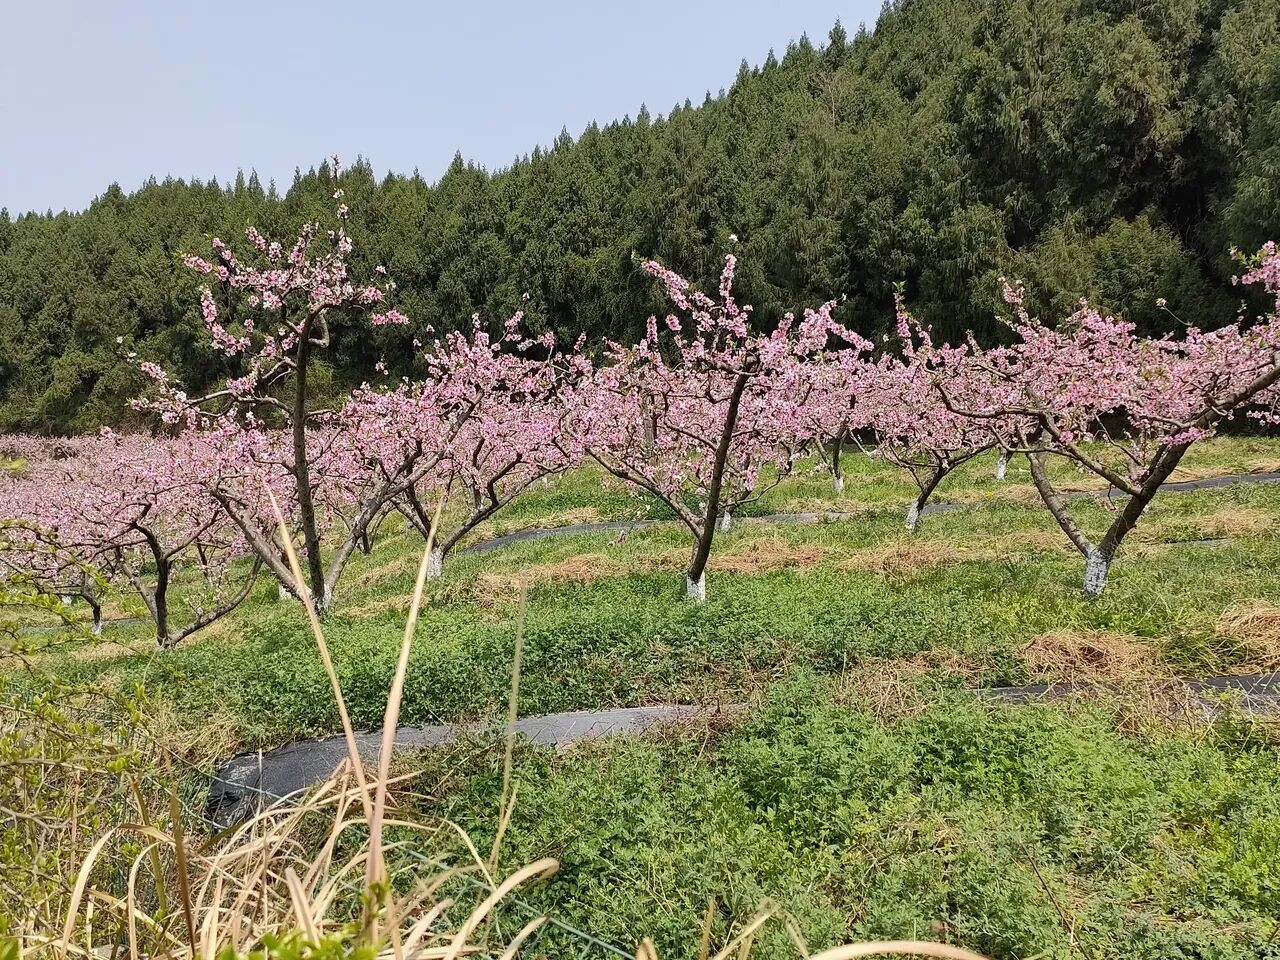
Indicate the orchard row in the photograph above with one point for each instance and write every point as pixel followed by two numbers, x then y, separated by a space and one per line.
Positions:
pixel 705 413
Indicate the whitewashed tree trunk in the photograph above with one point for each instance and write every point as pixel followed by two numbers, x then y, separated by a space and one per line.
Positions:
pixel 1096 567
pixel 837 484
pixel 1002 465
pixel 97 627
pixel 913 516
pixel 435 564
pixel 725 522
pixel 282 592
pixel 68 600
pixel 696 590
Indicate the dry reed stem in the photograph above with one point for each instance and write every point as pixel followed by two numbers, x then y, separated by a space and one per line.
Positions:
pixel 506 805
pixel 263 877
pixel 313 620
pixel 391 717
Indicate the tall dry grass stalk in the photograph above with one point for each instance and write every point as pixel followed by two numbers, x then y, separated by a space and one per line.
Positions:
pixel 311 868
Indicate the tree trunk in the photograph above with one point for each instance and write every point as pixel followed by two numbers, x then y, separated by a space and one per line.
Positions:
pixel 837 471
pixel 1002 464
pixel 160 604
pixel 696 590
pixel 435 563
pixel 926 491
pixel 302 478
pixel 1098 561
pixel 702 545
pixel 725 522
pixel 1096 567
pixel 96 607
pixel 913 516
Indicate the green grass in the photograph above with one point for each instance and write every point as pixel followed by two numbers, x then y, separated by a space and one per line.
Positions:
pixel 1015 831
pixel 1058 831
pixel 629 637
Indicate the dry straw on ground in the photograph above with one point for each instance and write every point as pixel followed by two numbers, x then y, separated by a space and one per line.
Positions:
pixel 204 747
pixel 1256 625
pixel 906 557
pixel 841 508
pixel 398 564
pixel 1138 708
pixel 1034 540
pixel 753 555
pixel 500 587
pixel 1229 522
pixel 107 649
pixel 1221 524
pixel 892 688
pixel 912 554
pixel 1020 493
pixel 1184 472
pixel 502 526
pixel 765 554
pixel 1089 655
pixel 1264 465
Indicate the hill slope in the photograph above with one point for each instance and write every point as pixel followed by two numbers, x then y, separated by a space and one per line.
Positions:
pixel 1109 148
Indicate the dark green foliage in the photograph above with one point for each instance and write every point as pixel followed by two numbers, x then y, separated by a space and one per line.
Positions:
pixel 1114 149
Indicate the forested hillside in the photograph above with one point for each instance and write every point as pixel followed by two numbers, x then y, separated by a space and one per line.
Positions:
pixel 1114 149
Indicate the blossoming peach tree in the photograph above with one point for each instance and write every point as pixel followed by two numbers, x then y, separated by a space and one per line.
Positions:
pixel 1116 405
pixel 704 413
pixel 490 420
pixel 130 510
pixel 911 426
pixel 481 417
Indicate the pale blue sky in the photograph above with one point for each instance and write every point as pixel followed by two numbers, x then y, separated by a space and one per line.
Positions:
pixel 93 92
